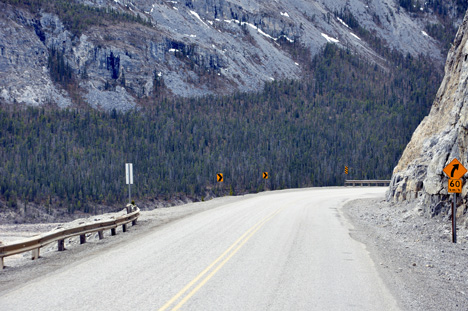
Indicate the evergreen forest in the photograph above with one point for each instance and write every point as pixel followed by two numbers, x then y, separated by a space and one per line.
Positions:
pixel 346 111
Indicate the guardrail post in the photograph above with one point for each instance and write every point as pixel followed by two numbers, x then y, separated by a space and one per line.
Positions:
pixel 34 245
pixel 61 245
pixel 124 227
pixel 35 253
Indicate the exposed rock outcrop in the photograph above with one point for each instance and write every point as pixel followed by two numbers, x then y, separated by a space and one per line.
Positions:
pixel 23 62
pixel 191 47
pixel 441 137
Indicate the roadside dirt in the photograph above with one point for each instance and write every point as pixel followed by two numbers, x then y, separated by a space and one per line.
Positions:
pixel 415 255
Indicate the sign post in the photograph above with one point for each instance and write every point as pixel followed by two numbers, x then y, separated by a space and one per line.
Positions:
pixel 455 171
pixel 129 179
pixel 454 218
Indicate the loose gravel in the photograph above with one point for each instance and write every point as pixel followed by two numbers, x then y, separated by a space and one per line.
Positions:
pixel 415 255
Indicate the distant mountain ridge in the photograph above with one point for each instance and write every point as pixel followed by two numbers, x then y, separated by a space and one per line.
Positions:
pixel 112 54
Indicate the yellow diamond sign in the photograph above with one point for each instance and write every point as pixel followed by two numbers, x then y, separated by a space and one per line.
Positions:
pixel 455 170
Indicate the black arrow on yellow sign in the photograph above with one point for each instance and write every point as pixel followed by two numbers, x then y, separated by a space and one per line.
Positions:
pixel 219 177
pixel 265 175
pixel 455 168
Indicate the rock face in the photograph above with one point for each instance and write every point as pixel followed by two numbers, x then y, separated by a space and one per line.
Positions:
pixel 441 137
pixel 193 47
pixel 23 62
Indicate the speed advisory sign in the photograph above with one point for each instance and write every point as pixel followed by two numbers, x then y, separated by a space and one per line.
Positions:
pixel 455 185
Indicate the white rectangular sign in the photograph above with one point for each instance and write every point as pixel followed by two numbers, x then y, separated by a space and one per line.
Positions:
pixel 129 173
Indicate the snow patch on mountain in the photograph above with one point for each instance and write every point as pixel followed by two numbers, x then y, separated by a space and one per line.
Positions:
pixel 330 39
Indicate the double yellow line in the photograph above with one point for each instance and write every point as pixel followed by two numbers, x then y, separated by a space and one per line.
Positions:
pixel 231 251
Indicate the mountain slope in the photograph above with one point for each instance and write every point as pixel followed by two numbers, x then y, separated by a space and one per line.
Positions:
pixel 115 53
pixel 348 113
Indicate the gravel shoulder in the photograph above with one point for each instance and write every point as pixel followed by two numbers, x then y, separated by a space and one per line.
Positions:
pixel 423 269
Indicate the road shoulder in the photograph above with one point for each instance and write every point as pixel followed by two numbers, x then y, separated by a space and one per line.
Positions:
pixel 21 270
pixel 413 254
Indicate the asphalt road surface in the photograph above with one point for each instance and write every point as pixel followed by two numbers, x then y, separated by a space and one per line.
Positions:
pixel 282 250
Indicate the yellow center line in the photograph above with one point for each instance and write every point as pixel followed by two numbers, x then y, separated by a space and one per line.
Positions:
pixel 247 235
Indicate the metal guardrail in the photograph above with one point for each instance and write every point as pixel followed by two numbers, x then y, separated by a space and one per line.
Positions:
pixel 361 183
pixel 34 244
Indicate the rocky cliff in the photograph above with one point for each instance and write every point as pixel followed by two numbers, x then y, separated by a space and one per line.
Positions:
pixel 186 48
pixel 441 137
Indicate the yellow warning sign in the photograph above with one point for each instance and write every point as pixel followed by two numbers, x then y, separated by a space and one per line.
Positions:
pixel 455 185
pixel 455 169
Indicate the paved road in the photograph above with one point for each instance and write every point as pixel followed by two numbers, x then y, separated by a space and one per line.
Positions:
pixel 284 250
